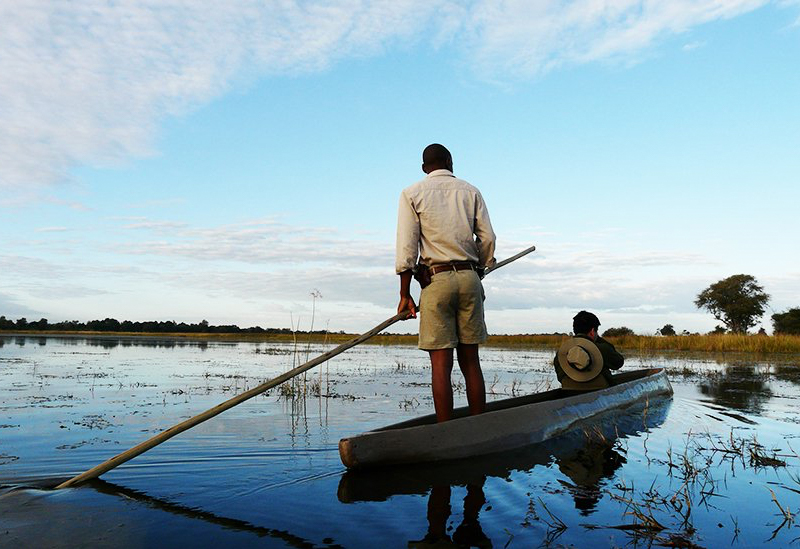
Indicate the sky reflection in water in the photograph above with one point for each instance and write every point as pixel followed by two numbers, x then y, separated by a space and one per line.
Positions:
pixel 268 471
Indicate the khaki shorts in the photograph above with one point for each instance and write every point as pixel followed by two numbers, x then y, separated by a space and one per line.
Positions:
pixel 451 311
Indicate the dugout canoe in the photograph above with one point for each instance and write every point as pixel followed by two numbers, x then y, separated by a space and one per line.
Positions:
pixel 506 424
pixel 588 451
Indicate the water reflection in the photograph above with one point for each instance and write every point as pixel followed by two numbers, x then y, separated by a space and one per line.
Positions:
pixel 744 388
pixel 786 372
pixel 588 458
pixel 469 533
pixel 587 468
pixel 107 342
pixel 125 520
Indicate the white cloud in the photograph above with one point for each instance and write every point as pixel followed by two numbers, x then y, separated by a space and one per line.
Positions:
pixel 249 273
pixel 529 38
pixel 692 46
pixel 89 82
pixel 156 225
pixel 12 309
pixel 263 242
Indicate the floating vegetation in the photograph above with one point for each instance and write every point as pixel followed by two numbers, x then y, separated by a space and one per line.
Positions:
pixel 665 517
pixel 7 458
pixel 555 526
pixel 644 483
pixel 276 351
pixel 409 403
pixel 90 442
pixel 94 422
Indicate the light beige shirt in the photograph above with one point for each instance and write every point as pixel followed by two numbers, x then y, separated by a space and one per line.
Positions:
pixel 443 219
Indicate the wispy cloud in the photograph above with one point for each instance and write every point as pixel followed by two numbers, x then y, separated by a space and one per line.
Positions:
pixel 693 46
pixel 529 38
pixel 262 242
pixel 156 225
pixel 11 308
pixel 151 204
pixel 259 271
pixel 90 82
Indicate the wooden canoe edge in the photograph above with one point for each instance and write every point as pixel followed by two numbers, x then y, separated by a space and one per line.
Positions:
pixel 660 387
pixel 346 453
pixel 357 451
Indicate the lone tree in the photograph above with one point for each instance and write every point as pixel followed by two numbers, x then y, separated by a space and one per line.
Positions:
pixel 618 332
pixel 667 330
pixel 737 301
pixel 787 322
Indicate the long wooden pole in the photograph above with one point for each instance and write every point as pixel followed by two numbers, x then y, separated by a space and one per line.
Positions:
pixel 510 259
pixel 163 436
pixel 142 447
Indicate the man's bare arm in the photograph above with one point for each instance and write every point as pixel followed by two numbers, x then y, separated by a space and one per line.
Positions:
pixel 406 301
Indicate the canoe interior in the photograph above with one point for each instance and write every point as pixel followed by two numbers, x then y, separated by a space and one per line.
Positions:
pixel 504 404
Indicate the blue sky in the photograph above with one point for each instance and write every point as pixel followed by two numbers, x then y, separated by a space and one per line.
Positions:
pixel 180 161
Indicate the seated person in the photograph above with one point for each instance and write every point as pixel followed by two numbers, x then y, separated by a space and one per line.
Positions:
pixel 585 361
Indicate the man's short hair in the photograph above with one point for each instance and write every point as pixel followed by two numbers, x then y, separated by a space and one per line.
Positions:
pixel 436 155
pixel 583 322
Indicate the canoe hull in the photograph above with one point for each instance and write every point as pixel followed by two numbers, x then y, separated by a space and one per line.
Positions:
pixel 507 424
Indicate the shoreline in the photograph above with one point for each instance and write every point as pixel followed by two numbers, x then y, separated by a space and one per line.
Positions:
pixel 725 343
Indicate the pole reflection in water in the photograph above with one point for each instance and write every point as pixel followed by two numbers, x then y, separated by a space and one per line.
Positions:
pixel 126 513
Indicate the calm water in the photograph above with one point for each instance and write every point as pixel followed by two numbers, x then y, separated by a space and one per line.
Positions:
pixel 712 467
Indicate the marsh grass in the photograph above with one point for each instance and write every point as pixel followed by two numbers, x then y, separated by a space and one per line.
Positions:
pixel 746 343
pixel 665 516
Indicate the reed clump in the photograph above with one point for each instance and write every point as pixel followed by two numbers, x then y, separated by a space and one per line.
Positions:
pixel 527 340
pixel 744 343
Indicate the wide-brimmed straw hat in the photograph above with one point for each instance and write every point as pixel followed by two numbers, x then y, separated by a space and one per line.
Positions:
pixel 580 359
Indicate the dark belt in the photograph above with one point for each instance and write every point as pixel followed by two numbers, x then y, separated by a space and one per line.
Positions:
pixel 462 266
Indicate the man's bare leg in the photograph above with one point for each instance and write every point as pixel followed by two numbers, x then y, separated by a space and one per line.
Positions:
pixel 442 369
pixel 470 364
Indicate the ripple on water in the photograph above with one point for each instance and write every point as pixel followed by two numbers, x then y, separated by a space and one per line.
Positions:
pixel 269 469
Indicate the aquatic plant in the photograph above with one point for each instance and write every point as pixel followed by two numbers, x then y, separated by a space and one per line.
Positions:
pixel 666 517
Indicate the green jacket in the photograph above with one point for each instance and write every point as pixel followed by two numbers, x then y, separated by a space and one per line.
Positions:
pixel 612 360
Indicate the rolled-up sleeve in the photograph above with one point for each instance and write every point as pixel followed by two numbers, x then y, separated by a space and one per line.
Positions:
pixel 407 235
pixel 484 234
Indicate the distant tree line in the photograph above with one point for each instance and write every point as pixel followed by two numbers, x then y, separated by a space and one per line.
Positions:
pixel 787 322
pixel 152 326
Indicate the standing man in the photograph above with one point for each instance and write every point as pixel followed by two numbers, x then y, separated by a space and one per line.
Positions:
pixel 443 223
